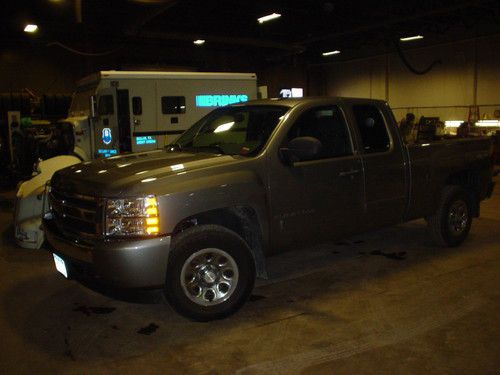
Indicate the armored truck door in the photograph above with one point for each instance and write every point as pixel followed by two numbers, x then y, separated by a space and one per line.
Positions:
pixel 322 198
pixel 106 137
pixel 142 122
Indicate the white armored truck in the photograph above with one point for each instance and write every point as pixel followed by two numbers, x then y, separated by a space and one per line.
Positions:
pixel 113 112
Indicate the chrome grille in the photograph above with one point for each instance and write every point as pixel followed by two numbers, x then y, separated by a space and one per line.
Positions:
pixel 76 216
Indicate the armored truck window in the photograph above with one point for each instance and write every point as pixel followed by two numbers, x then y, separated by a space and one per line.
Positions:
pixel 328 125
pixel 172 105
pixel 372 128
pixel 106 106
pixel 137 105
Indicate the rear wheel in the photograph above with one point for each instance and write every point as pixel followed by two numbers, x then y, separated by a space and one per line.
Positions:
pixel 210 273
pixel 451 223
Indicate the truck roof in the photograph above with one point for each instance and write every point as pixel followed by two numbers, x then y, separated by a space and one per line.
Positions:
pixel 118 74
pixel 292 102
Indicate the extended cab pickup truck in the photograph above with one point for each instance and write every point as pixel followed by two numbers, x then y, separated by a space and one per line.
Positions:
pixel 199 218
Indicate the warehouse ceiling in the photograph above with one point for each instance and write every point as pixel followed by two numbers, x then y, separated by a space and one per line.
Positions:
pixel 305 30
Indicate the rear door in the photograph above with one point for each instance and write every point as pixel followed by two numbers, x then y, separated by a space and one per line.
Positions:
pixel 383 164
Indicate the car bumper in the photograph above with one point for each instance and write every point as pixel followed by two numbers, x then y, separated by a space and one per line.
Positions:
pixel 134 263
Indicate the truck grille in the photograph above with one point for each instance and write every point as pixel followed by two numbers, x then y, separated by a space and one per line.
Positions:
pixel 76 216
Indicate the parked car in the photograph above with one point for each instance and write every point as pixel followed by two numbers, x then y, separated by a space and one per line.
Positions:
pixel 199 218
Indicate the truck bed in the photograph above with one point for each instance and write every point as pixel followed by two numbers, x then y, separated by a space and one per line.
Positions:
pixel 432 163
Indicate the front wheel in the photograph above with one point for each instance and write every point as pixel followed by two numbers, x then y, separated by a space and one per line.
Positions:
pixel 210 273
pixel 451 223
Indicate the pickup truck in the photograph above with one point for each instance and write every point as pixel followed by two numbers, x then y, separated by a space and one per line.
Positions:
pixel 199 218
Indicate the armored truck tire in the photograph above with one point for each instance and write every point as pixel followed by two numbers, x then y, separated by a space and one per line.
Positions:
pixel 210 273
pixel 451 222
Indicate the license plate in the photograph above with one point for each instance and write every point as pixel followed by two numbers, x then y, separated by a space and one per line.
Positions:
pixel 60 265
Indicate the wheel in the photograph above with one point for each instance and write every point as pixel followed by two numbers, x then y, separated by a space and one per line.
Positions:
pixel 210 273
pixel 451 222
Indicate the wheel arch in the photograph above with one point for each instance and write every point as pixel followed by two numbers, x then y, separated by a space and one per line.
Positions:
pixel 470 181
pixel 243 220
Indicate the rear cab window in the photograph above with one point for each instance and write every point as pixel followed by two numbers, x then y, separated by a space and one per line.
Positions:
pixel 372 128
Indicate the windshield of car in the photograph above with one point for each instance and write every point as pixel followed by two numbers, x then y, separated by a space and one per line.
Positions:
pixel 241 130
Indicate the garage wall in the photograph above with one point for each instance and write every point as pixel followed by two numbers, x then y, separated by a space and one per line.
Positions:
pixel 446 91
pixel 39 69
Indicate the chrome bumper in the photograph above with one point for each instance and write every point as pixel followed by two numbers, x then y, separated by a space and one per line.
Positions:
pixel 134 263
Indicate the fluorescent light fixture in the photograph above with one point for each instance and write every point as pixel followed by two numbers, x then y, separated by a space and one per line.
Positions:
pixel 149 179
pixel 488 123
pixel 199 42
pixel 30 28
pixel 177 167
pixel 330 53
pixel 224 127
pixel 452 123
pixel 269 17
pixel 410 38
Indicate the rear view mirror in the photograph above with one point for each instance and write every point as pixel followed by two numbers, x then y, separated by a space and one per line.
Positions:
pixel 301 149
pixel 93 106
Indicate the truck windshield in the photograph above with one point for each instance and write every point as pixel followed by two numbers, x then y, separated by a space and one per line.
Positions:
pixel 81 101
pixel 241 130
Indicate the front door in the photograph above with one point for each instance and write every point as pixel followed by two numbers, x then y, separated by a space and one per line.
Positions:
pixel 123 107
pixel 317 199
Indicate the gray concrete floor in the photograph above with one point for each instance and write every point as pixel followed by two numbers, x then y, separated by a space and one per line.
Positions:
pixel 385 302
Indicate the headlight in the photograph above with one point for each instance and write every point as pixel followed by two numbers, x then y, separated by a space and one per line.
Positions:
pixel 132 217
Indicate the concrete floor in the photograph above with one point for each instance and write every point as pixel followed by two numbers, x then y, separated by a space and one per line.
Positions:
pixel 385 302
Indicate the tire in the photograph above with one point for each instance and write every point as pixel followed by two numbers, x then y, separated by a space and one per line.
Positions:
pixel 450 224
pixel 210 273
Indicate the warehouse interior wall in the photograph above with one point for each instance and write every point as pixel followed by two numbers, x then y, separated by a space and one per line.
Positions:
pixel 468 75
pixel 40 70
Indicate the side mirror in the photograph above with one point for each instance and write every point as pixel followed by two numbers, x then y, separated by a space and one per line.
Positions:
pixel 301 149
pixel 93 106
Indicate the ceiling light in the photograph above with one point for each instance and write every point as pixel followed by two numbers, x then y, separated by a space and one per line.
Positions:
pixel 410 38
pixel 30 28
pixel 330 53
pixel 269 17
pixel 199 42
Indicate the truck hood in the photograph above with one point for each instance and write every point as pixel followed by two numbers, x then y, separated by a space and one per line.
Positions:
pixel 119 175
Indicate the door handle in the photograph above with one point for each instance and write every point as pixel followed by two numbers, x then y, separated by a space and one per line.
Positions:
pixel 351 172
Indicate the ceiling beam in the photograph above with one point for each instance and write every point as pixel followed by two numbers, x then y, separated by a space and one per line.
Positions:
pixel 251 42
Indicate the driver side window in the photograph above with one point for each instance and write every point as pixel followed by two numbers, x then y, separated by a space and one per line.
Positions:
pixel 327 124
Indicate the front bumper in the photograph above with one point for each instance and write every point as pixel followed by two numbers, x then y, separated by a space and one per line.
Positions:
pixel 131 263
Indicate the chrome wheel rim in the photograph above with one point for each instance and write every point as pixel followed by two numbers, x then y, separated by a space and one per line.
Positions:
pixel 209 276
pixel 458 217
